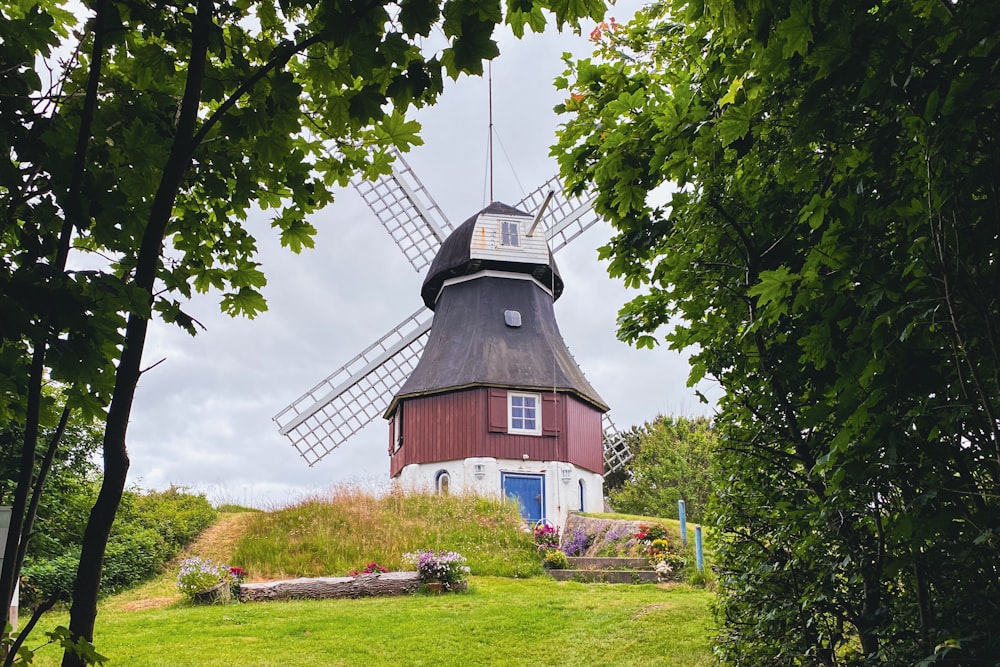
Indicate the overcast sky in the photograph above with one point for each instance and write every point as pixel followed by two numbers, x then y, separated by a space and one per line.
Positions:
pixel 202 418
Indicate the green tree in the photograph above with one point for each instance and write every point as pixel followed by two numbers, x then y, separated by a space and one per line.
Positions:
pixel 829 246
pixel 672 462
pixel 70 485
pixel 128 170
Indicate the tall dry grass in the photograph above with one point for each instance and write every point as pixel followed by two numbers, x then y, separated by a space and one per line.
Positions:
pixel 349 527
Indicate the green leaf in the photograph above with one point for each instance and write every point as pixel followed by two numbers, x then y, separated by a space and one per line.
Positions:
pixel 399 132
pixel 418 16
pixel 734 87
pixel 774 291
pixel 796 30
pixel 297 234
pixel 246 301
pixel 733 125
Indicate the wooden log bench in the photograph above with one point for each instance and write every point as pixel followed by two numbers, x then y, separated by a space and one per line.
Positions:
pixel 320 588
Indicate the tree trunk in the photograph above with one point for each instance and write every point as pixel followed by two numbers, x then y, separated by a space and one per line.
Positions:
pixel 83 612
pixel 9 573
pixel 364 585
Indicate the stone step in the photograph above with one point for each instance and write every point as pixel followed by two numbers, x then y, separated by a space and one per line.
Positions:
pixel 607 563
pixel 606 576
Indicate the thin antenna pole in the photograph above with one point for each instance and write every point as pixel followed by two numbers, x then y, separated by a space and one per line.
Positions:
pixel 489 142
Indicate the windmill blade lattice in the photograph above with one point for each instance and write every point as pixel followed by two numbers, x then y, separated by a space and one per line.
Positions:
pixel 564 219
pixel 407 211
pixel 355 394
pixel 617 453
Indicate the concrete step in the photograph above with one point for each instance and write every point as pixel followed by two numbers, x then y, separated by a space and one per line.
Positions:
pixel 606 576
pixel 607 563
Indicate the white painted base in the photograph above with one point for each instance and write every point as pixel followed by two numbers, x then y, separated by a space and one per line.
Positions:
pixel 562 489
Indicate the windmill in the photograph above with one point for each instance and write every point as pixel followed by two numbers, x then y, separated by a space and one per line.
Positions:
pixel 360 391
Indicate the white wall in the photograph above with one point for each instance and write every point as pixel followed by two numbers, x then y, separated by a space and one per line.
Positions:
pixel 561 497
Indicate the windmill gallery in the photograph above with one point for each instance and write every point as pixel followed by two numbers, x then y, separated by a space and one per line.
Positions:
pixel 479 390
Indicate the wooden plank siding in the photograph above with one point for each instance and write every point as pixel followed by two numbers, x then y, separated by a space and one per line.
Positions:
pixel 486 242
pixel 585 435
pixel 455 425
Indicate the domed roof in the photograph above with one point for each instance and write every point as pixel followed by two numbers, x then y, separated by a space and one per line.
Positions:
pixel 466 251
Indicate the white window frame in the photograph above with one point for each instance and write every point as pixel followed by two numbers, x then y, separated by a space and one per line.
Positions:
pixel 515 236
pixel 537 430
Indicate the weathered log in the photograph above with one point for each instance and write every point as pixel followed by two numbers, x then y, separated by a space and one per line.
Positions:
pixel 364 585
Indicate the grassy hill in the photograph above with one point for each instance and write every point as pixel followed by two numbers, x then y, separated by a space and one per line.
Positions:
pixel 511 614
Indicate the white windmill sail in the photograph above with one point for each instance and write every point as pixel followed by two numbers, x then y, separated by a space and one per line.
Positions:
pixel 616 450
pixel 357 393
pixel 405 208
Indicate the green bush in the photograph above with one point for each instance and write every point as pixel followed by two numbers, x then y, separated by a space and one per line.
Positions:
pixel 150 529
pixel 174 514
pixel 131 558
pixel 42 577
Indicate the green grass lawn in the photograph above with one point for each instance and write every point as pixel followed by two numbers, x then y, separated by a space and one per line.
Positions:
pixel 510 619
pixel 499 621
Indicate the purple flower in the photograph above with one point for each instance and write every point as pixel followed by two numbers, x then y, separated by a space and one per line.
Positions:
pixel 578 544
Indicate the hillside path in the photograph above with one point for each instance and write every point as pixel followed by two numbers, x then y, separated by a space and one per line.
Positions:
pixel 217 541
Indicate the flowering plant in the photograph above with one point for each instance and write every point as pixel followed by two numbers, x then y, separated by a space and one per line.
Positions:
pixel 657 548
pixel 665 564
pixel 370 568
pixel 237 575
pixel 546 536
pixel 555 559
pixel 578 544
pixel 648 533
pixel 448 567
pixel 200 574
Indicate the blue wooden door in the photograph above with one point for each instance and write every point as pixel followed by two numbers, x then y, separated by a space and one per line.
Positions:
pixel 528 491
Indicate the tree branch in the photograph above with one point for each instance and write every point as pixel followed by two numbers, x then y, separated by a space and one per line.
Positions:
pixel 248 85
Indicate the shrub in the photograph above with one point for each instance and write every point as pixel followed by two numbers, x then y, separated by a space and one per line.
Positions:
pixel 448 567
pixel 200 574
pixel 44 577
pixel 648 533
pixel 131 558
pixel 150 529
pixel 175 514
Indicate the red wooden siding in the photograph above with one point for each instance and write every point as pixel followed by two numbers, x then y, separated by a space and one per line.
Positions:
pixel 585 435
pixel 466 423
